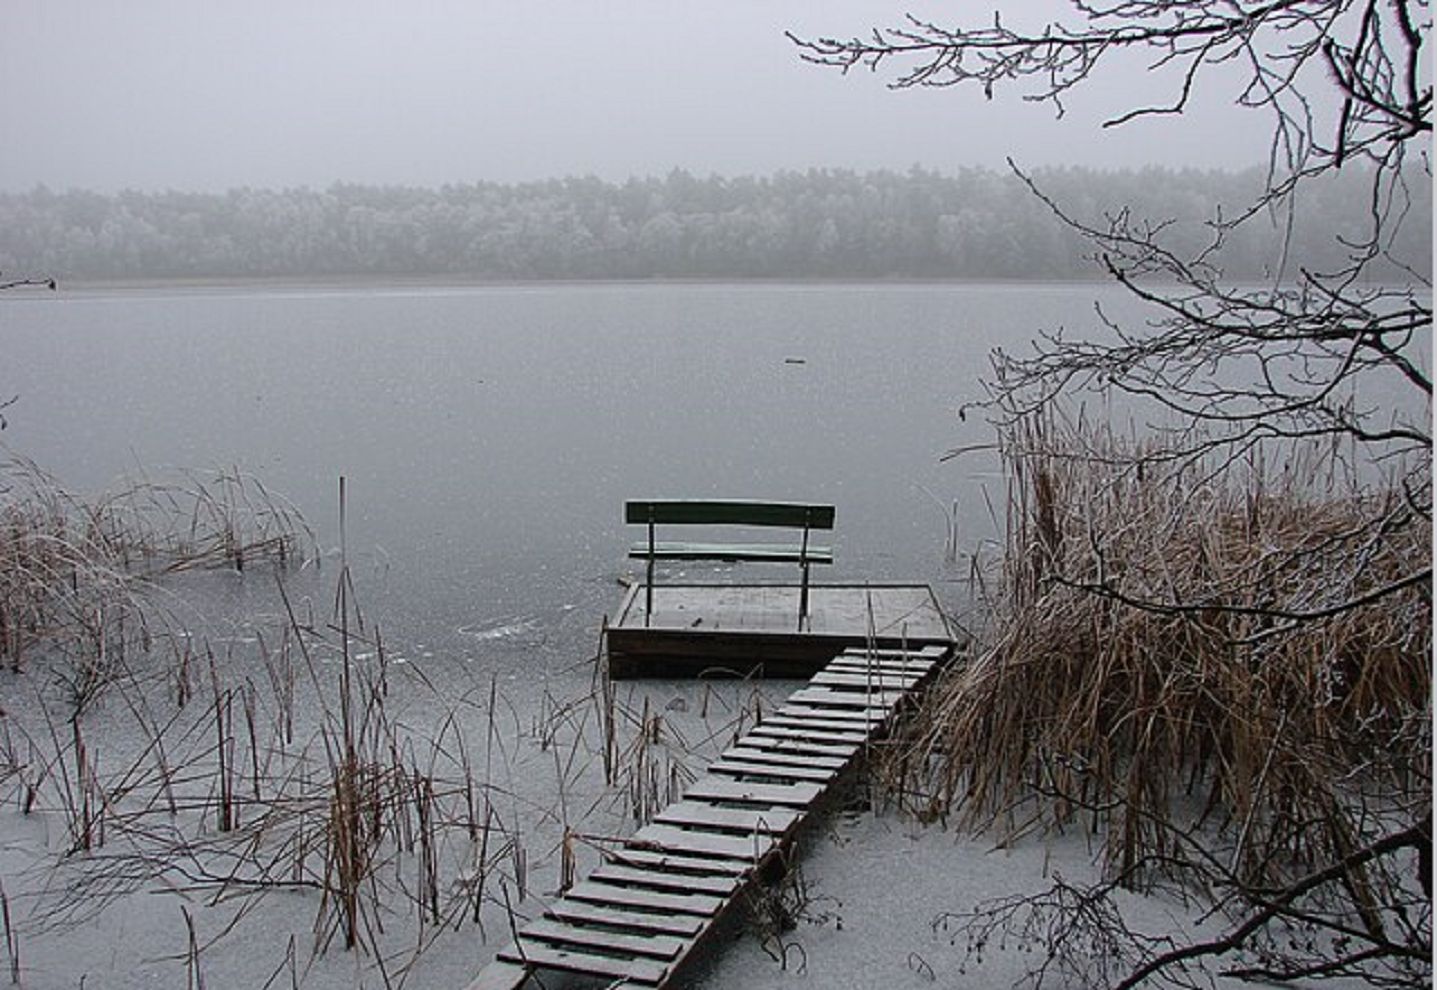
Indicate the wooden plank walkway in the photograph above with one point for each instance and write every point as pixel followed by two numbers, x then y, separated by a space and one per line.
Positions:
pixel 636 919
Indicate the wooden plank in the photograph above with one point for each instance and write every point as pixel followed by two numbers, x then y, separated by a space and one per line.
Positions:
pixel 858 703
pixel 860 713
pixel 774 820
pixel 849 719
pixel 876 715
pixel 773 744
pixel 767 731
pixel 872 682
pixel 917 683
pixel 774 771
pixel 848 695
pixel 611 894
pixel 891 665
pixel 860 717
pixel 914 656
pixel 791 795
pixel 728 512
pixel 849 699
pixel 751 754
pixel 664 947
pixel 676 863
pixel 773 553
pixel 580 912
pixel 927 654
pixel 659 880
pixel 919 654
pixel 837 677
pixel 642 971
pixel 749 848
pixel 500 975
pixel 857 731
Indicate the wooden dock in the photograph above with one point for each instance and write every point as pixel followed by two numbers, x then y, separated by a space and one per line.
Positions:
pixel 753 629
pixel 638 919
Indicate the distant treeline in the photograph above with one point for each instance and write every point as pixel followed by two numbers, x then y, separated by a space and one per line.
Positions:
pixel 974 224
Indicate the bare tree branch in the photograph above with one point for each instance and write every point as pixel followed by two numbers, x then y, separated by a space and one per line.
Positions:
pixel 1238 594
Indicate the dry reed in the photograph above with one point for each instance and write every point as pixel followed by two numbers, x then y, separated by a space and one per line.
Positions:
pixel 12 941
pixel 296 779
pixel 1179 644
pixel 75 574
pixel 231 807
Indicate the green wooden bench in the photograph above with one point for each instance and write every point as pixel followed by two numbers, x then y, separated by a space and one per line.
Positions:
pixel 730 512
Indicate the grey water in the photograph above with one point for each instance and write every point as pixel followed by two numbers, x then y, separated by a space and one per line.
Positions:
pixel 488 435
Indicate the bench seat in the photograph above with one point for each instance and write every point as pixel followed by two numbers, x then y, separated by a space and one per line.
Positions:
pixel 766 552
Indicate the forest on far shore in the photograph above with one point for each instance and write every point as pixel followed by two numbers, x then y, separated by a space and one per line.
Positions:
pixel 971 224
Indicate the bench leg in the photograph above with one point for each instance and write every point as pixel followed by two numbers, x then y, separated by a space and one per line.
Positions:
pixel 649 592
pixel 803 599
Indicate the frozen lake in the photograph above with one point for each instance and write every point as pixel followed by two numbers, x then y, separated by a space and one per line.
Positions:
pixel 489 436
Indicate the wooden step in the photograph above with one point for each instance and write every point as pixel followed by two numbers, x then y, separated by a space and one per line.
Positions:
pixel 858 717
pixel 595 892
pixel 858 730
pixel 767 731
pixel 559 933
pixel 871 714
pixel 875 681
pixel 774 820
pixel 706 866
pixel 843 751
pixel 911 664
pixel 645 972
pixel 749 848
pixel 584 913
pixel 920 678
pixel 659 880
pixel 772 771
pixel 926 654
pixel 759 755
pixel 876 700
pixel 797 795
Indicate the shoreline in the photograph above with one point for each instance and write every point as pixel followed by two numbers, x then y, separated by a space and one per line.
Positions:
pixel 443 281
pixel 408 283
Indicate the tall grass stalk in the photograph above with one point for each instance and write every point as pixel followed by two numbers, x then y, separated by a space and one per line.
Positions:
pixel 1175 642
pixel 12 939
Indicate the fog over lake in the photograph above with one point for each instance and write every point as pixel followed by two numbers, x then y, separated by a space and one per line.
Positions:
pixel 166 94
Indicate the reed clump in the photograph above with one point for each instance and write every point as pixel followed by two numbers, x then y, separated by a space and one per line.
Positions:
pixel 76 575
pixel 304 759
pixel 1241 649
pixel 222 518
pixel 65 592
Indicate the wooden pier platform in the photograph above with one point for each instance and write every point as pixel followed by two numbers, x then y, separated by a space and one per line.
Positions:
pixel 753 629
pixel 637 920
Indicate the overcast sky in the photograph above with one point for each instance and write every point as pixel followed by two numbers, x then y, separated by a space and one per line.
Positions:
pixel 206 95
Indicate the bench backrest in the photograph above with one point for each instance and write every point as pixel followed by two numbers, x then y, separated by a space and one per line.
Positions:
pixel 729 512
